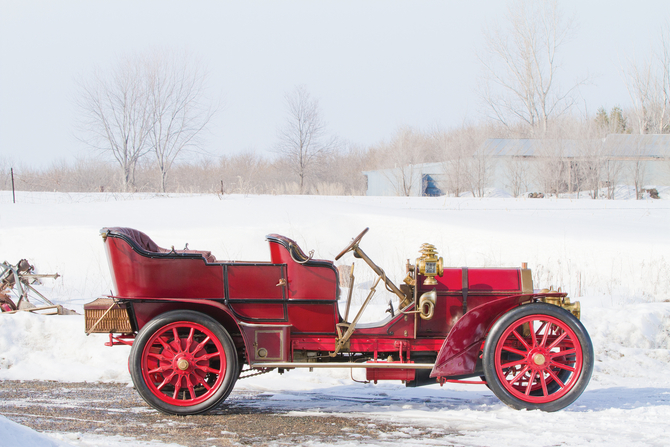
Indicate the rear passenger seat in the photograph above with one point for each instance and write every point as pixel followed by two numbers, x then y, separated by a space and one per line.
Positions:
pixel 145 243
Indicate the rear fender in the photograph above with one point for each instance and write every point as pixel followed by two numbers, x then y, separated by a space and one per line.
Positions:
pixel 460 350
pixel 146 310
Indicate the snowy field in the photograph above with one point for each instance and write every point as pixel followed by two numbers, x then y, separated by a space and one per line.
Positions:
pixel 613 256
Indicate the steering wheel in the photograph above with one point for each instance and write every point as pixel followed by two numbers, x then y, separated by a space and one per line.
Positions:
pixel 356 240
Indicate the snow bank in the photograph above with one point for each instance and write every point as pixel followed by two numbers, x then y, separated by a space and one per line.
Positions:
pixel 17 435
pixel 630 341
pixel 41 347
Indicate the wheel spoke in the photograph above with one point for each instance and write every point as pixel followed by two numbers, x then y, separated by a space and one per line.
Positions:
pixel 189 385
pixel 558 340
pixel 159 356
pixel 159 369
pixel 514 351
pixel 518 376
pixel 555 377
pixel 520 338
pixel 166 380
pixel 543 381
pixel 176 340
pixel 546 332
pixel 532 333
pixel 201 345
pixel 529 387
pixel 201 381
pixel 208 356
pixel 207 369
pixel 189 340
pixel 555 355
pixel 563 366
pixel 177 388
pixel 166 346
pixel 511 364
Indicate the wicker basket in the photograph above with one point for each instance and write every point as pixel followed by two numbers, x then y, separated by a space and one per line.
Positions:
pixel 109 316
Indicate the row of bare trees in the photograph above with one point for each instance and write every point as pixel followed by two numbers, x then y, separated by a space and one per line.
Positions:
pixel 573 160
pixel 146 115
pixel 648 83
pixel 151 103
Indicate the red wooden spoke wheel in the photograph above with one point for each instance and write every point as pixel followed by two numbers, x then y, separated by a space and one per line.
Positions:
pixel 183 362
pixel 538 356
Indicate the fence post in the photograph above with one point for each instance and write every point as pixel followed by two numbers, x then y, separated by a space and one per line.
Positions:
pixel 11 170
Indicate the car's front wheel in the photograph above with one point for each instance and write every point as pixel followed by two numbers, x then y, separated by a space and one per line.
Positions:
pixel 538 356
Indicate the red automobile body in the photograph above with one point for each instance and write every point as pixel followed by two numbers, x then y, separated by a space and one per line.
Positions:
pixel 284 313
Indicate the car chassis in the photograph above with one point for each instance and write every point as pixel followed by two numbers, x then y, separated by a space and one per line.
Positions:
pixel 193 322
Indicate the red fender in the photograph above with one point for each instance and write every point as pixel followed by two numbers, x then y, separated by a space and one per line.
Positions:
pixel 459 352
pixel 146 310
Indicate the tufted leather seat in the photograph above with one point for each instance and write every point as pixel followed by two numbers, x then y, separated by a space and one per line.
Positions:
pixel 144 242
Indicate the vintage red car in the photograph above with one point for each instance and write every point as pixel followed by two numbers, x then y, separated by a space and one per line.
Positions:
pixel 195 322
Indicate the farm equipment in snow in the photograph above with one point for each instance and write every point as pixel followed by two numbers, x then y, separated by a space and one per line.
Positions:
pixel 20 279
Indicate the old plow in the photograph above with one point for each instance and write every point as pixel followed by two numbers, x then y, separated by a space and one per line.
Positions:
pixel 19 280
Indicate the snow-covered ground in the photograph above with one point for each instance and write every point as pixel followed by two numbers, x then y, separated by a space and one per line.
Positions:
pixel 613 256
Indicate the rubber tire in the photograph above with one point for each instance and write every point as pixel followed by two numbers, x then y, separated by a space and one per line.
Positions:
pixel 492 379
pixel 135 362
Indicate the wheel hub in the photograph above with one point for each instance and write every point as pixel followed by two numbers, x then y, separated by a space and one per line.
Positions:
pixel 183 364
pixel 539 359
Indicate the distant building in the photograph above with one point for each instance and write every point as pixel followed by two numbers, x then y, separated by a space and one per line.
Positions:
pixel 413 180
pixel 617 154
pixel 525 165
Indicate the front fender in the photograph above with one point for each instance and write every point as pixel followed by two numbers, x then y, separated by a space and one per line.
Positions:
pixel 459 352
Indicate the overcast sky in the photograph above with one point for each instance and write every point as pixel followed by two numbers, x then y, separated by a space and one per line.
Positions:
pixel 373 65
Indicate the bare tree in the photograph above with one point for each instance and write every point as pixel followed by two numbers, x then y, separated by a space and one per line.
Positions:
pixel 303 141
pixel 516 173
pixel 115 115
pixel 611 174
pixel 521 67
pixel 145 103
pixel 637 169
pixel 456 154
pixel 648 84
pixel 178 114
pixel 480 164
pixel 553 166
pixel 402 155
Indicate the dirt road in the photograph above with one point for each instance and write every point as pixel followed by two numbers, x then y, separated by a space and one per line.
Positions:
pixel 115 409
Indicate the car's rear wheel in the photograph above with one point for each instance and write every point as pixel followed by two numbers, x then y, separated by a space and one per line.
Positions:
pixel 183 362
pixel 538 356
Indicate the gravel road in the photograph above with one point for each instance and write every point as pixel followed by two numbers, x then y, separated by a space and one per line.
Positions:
pixel 116 409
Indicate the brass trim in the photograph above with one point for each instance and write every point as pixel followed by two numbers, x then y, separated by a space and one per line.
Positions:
pixel 526 280
pixel 427 305
pixel 183 364
pixel 384 365
pixel 271 326
pixel 564 302
pixel 259 348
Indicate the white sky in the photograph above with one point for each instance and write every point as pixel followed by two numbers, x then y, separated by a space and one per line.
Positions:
pixel 373 65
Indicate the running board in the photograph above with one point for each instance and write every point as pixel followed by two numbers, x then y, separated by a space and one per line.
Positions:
pixel 287 365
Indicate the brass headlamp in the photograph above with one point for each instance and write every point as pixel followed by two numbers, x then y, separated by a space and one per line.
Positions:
pixel 429 265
